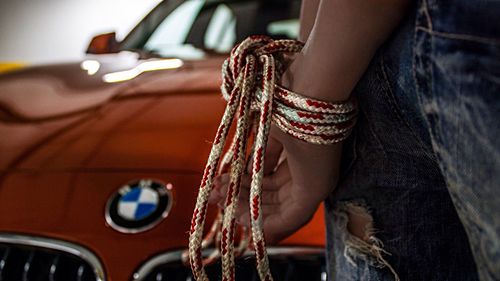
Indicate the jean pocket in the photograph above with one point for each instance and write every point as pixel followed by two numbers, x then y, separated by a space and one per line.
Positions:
pixel 386 109
pixel 459 85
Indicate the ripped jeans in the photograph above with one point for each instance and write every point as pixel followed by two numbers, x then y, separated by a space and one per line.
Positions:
pixel 423 164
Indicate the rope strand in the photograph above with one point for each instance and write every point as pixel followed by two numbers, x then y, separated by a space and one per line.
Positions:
pixel 249 86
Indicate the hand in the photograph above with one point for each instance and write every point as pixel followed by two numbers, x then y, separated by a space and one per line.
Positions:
pixel 292 189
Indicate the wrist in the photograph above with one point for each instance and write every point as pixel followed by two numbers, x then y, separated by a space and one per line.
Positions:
pixel 316 80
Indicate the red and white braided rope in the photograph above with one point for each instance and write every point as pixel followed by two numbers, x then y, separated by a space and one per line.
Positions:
pixel 249 86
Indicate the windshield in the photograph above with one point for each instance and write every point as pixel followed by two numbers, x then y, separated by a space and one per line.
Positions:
pixel 193 29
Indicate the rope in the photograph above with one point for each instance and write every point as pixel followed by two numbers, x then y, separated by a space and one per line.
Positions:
pixel 250 89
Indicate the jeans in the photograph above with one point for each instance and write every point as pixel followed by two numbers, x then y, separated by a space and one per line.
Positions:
pixel 423 164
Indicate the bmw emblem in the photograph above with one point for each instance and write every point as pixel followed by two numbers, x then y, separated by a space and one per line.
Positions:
pixel 139 206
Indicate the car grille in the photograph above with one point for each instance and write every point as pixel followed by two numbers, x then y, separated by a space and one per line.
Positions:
pixel 24 258
pixel 286 265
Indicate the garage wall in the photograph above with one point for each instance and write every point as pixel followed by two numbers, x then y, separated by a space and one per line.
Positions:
pixel 41 31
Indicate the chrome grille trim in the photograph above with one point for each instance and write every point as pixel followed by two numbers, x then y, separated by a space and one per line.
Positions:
pixel 58 245
pixel 174 256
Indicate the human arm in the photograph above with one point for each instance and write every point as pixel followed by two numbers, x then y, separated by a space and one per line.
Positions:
pixel 338 49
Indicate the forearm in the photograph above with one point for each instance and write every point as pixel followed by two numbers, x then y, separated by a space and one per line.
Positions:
pixel 341 43
pixel 308 13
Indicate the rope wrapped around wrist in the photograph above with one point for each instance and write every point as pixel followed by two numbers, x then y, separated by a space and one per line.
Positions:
pixel 249 86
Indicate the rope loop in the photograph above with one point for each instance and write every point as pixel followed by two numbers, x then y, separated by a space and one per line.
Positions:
pixel 249 78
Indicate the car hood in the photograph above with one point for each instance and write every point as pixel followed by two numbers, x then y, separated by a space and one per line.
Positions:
pixel 68 116
pixel 69 141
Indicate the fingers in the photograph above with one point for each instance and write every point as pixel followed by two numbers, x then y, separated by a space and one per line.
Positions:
pixel 290 218
pixel 272 156
pixel 280 220
pixel 277 202
pixel 270 185
pixel 268 197
pixel 218 194
pixel 281 176
pixel 243 212
pixel 273 153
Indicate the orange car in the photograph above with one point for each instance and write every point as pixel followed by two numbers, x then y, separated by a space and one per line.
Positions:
pixel 100 160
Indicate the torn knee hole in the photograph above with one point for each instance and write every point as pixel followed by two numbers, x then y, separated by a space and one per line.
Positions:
pixel 361 241
pixel 359 222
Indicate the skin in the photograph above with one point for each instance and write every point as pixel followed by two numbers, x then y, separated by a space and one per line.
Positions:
pixel 341 38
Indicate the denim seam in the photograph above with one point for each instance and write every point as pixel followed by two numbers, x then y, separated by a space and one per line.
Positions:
pixel 426 76
pixel 450 35
pixel 425 7
pixel 460 36
pixel 414 69
pixel 397 110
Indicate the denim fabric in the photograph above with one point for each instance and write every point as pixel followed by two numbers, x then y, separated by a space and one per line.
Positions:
pixel 459 86
pixel 428 128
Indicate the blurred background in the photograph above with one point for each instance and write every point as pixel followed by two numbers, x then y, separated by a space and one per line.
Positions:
pixel 61 30
pixel 108 109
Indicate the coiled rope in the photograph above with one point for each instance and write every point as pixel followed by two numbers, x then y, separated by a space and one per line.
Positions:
pixel 249 86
